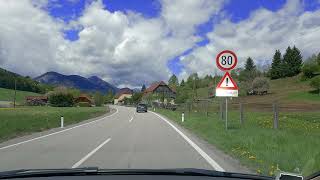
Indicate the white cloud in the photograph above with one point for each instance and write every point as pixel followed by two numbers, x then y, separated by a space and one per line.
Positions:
pixel 123 48
pixel 259 36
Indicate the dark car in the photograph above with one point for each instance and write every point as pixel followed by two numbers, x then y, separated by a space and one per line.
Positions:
pixel 142 108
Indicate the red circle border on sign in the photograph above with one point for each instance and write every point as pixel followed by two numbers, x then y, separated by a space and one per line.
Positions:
pixel 222 68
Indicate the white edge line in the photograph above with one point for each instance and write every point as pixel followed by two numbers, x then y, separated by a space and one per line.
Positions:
pixel 213 163
pixel 58 132
pixel 90 154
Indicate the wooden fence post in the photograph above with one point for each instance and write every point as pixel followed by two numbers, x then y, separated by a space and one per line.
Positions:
pixel 207 106
pixel 241 114
pixel 221 110
pixel 275 116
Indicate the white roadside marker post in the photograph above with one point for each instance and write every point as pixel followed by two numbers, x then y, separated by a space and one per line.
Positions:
pixel 182 117
pixel 61 121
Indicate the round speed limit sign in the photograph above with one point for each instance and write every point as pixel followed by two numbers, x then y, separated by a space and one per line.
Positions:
pixel 226 60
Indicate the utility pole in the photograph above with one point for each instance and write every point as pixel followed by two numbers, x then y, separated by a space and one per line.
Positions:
pixel 15 93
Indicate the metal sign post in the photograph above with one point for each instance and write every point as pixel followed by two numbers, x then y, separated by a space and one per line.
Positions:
pixel 226 113
pixel 226 61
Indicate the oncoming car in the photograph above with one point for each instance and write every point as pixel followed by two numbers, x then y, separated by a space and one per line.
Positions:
pixel 142 108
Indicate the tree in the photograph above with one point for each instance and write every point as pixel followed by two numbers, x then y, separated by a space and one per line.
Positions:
pixel 98 98
pixel 108 98
pixel 136 97
pixel 260 84
pixel 193 80
pixel 143 88
pixel 285 67
pixel 292 62
pixel 296 62
pixel 61 99
pixel 249 66
pixel 249 72
pixel 311 67
pixel 275 71
pixel 173 81
pixel 315 83
pixel 318 59
pixel 182 83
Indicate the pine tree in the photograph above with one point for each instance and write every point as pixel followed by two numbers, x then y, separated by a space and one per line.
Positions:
pixel 182 83
pixel 249 66
pixel 173 81
pixel 275 71
pixel 143 88
pixel 318 59
pixel 286 69
pixel 296 61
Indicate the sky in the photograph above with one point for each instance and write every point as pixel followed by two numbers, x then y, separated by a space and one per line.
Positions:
pixel 135 42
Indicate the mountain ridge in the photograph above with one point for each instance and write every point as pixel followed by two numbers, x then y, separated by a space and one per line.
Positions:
pixel 91 84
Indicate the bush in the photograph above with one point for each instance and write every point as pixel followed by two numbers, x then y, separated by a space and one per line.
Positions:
pixel 315 83
pixel 260 84
pixel 84 104
pixel 61 99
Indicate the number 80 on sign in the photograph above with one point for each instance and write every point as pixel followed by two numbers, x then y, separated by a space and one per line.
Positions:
pixel 226 60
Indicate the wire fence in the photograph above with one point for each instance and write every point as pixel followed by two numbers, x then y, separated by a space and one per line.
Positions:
pixel 272 115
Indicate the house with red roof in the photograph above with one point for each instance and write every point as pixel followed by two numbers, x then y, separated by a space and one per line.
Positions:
pixel 122 94
pixel 159 92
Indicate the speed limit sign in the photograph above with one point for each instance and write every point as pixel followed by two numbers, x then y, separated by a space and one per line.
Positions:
pixel 226 60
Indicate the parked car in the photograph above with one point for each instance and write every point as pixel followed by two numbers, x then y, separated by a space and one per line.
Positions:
pixel 142 108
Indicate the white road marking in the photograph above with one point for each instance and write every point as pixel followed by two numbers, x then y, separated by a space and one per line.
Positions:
pixel 213 163
pixel 90 154
pixel 132 117
pixel 58 132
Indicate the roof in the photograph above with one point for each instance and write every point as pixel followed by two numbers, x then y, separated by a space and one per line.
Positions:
pixel 154 86
pixel 83 98
pixel 123 91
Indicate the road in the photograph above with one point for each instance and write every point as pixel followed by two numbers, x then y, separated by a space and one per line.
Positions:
pixel 123 139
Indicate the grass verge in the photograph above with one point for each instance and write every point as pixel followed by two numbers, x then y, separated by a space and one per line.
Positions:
pixel 21 121
pixel 293 147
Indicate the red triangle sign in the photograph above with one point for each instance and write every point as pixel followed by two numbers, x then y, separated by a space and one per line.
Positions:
pixel 227 82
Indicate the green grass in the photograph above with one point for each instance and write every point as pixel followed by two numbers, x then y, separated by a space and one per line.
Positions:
pixel 295 145
pixel 304 96
pixel 21 121
pixel 8 94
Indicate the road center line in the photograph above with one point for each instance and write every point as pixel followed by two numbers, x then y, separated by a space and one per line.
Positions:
pixel 132 117
pixel 90 154
pixel 58 132
pixel 213 163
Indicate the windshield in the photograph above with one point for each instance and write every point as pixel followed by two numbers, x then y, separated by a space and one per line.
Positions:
pixel 226 85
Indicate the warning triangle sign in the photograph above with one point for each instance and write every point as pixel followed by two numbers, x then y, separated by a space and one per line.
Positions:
pixel 227 82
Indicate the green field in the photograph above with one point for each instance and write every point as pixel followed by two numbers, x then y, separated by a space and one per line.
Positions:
pixel 22 121
pixel 8 94
pixel 294 146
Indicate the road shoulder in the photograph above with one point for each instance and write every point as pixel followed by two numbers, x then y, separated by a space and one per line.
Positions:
pixel 227 162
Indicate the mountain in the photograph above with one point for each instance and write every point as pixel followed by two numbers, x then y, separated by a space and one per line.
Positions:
pixel 91 84
pixel 8 79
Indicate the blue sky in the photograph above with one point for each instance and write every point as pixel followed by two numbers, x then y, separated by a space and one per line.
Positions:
pixel 235 10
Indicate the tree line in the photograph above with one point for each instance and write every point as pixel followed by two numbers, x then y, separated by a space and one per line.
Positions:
pixel 9 80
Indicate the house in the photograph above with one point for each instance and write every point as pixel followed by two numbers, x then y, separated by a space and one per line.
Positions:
pixel 37 100
pixel 84 99
pixel 122 94
pixel 159 92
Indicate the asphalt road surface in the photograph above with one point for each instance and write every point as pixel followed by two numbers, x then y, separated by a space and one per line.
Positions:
pixel 123 139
